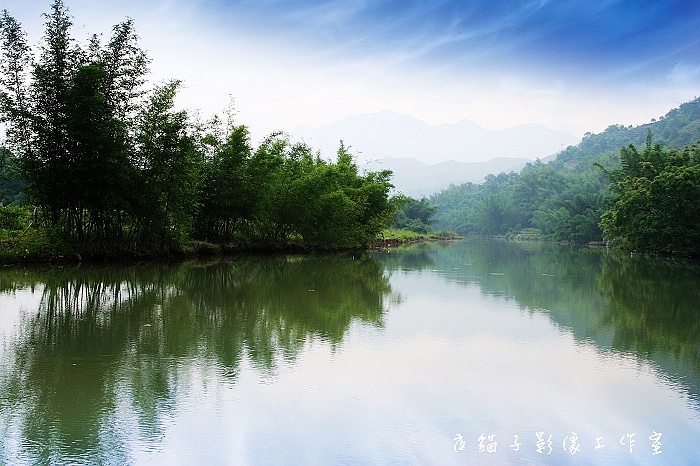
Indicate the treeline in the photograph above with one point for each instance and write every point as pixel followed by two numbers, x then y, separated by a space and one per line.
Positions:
pixel 416 215
pixel 110 163
pixel 618 186
pixel 680 127
pixel 540 201
pixel 656 201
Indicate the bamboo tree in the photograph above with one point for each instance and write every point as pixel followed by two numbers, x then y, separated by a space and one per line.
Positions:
pixel 169 164
pixel 15 61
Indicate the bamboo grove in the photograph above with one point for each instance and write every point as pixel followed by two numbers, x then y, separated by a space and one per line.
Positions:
pixel 111 163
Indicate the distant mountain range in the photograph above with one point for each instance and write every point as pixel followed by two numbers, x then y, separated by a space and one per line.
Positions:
pixel 417 179
pixel 385 134
pixel 425 158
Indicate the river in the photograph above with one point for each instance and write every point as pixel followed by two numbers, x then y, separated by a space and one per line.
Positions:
pixel 470 352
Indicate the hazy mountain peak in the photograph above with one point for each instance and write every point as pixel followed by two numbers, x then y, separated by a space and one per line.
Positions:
pixel 464 123
pixel 416 179
pixel 386 133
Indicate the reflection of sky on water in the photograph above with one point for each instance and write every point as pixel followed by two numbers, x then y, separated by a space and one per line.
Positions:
pixel 525 373
pixel 11 306
pixel 450 361
pixel 451 357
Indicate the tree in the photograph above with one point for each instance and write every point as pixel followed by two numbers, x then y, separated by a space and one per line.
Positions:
pixel 271 180
pixel 168 163
pixel 10 183
pixel 676 193
pixel 97 157
pixel 70 114
pixel 491 214
pixel 46 164
pixel 370 194
pixel 416 215
pixel 111 164
pixel 657 208
pixel 15 60
pixel 226 192
pixel 301 198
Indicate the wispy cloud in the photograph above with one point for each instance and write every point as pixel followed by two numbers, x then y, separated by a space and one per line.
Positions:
pixel 683 74
pixel 571 64
pixel 579 36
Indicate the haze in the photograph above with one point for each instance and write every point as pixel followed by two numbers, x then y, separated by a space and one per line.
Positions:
pixel 571 66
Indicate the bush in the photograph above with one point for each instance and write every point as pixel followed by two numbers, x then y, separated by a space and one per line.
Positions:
pixel 200 248
pixel 30 245
pixel 15 218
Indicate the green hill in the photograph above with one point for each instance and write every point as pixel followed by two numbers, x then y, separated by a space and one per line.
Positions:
pixel 563 199
pixel 678 128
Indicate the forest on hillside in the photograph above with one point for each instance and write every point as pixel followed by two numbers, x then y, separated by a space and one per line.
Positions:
pixel 635 187
pixel 105 162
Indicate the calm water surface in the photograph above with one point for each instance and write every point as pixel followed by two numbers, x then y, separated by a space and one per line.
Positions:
pixel 468 353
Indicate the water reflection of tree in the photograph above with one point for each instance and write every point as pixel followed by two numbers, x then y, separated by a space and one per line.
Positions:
pixel 275 305
pixel 417 256
pixel 629 304
pixel 654 306
pixel 645 305
pixel 60 386
pixel 554 280
pixel 101 335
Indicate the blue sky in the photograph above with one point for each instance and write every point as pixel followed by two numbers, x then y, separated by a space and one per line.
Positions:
pixel 570 65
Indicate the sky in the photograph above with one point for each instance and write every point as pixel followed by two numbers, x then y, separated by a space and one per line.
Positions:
pixel 570 65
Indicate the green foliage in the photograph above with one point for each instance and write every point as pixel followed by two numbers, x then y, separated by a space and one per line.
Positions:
pixel 415 215
pixel 402 235
pixel 69 122
pixel 554 203
pixel 226 191
pixel 302 198
pixel 565 199
pixel 112 165
pixel 15 218
pixel 680 127
pixel 168 164
pixel 30 245
pixel 10 183
pixel 18 240
pixel 14 71
pixel 657 204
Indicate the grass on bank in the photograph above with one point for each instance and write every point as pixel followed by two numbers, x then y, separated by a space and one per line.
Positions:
pixel 407 236
pixel 23 240
pixel 19 239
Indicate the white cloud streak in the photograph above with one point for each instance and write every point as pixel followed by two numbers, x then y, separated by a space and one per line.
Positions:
pixel 325 65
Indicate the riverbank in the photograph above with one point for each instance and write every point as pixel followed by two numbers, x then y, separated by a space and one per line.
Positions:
pixel 38 249
pixel 39 246
pixel 393 238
